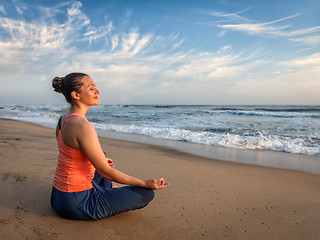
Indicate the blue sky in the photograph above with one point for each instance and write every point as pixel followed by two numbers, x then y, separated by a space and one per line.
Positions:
pixel 163 52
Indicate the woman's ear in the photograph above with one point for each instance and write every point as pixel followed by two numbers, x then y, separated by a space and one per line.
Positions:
pixel 75 95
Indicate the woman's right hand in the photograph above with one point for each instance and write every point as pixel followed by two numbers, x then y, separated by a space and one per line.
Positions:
pixel 110 163
pixel 156 184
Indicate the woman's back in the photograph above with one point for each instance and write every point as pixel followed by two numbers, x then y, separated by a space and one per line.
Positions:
pixel 74 171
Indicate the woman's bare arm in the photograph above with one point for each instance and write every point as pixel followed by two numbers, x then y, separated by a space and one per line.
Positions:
pixel 89 143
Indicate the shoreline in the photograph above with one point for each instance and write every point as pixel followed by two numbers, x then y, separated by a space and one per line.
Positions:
pixel 206 199
pixel 258 157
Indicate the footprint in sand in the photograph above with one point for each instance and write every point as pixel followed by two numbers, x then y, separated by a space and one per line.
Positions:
pixel 17 177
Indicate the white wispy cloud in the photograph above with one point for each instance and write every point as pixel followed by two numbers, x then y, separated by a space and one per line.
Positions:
pixel 20 10
pixel 26 35
pixel 266 28
pixel 114 42
pixel 129 40
pixel 229 16
pixel 2 9
pixel 271 28
pixel 304 31
pixel 255 28
pixel 93 34
pixel 306 61
pixel 39 34
pixel 310 40
pixel 75 14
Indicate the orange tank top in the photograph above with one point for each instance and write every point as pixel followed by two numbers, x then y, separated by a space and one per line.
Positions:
pixel 74 171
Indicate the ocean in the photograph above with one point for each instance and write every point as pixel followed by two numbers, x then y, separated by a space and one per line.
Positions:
pixel 282 128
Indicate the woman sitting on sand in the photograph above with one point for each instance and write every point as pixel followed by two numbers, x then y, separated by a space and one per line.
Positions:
pixel 82 187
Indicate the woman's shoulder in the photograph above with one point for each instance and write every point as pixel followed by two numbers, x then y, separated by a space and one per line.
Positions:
pixel 77 121
pixel 81 129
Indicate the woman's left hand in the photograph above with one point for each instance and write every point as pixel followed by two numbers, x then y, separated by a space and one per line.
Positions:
pixel 156 184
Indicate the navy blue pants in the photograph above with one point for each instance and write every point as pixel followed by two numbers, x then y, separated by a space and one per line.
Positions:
pixel 101 201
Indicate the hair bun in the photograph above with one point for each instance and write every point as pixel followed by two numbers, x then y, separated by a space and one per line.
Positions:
pixel 57 84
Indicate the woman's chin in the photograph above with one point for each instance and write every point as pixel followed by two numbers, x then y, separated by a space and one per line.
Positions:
pixel 96 102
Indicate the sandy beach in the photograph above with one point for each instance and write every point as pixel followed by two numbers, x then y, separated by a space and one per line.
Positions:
pixel 207 199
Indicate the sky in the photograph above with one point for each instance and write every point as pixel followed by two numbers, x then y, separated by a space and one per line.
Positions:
pixel 163 51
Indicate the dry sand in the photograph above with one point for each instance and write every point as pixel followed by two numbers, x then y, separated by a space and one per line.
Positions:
pixel 207 199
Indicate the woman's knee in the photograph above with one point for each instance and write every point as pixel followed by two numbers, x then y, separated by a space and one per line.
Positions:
pixel 148 195
pixel 142 195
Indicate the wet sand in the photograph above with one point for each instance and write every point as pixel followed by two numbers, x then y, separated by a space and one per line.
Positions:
pixel 207 199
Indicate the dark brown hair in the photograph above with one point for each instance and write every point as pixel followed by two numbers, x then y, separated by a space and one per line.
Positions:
pixel 66 85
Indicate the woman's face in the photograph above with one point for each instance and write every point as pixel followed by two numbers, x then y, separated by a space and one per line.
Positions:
pixel 88 92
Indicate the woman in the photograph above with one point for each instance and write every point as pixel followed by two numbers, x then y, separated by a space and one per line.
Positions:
pixel 82 187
